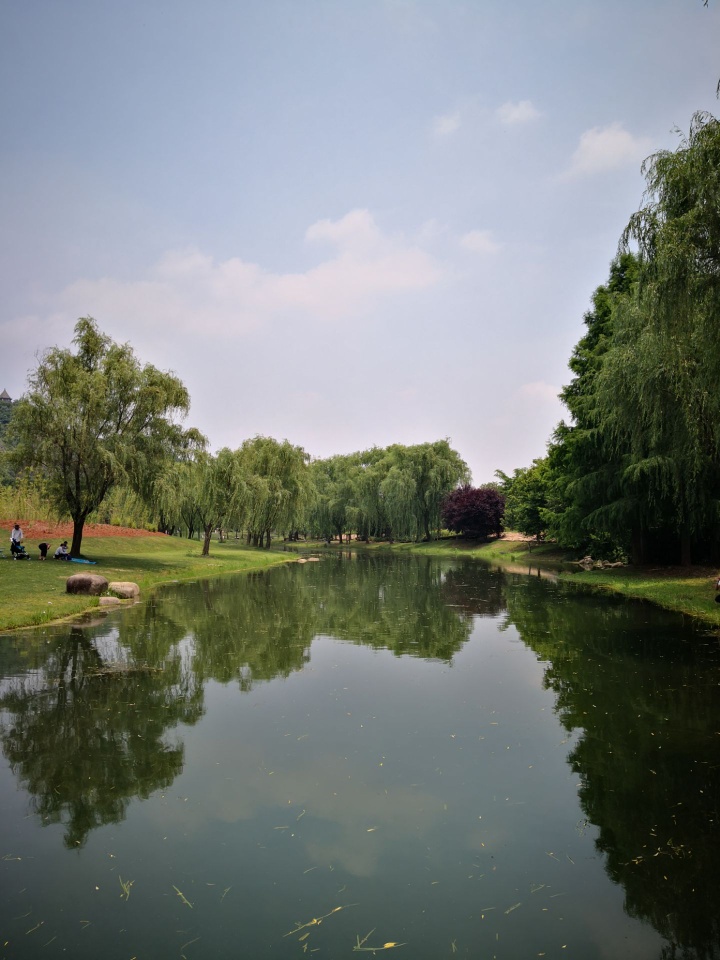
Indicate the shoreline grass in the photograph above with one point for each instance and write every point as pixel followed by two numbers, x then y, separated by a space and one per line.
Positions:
pixel 32 593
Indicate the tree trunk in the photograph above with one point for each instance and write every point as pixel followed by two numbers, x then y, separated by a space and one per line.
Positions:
pixel 206 541
pixel 637 549
pixel 77 536
pixel 267 539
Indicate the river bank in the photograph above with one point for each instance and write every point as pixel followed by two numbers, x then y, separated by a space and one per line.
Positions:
pixel 688 590
pixel 33 592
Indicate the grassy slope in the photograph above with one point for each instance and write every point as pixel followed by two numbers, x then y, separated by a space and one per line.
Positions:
pixel 690 591
pixel 32 592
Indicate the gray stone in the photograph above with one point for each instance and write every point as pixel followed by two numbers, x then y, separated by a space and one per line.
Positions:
pixel 109 602
pixel 125 589
pixel 91 584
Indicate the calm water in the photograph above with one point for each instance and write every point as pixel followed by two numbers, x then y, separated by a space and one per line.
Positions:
pixel 359 753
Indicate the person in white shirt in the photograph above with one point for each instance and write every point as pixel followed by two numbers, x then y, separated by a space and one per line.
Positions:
pixel 16 538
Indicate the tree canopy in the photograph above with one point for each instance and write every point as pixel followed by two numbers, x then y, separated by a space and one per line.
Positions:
pixel 637 468
pixel 95 417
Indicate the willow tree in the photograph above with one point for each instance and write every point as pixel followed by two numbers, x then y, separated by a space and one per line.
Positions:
pixel 279 488
pixel 657 391
pixel 216 488
pixel 418 479
pixel 335 507
pixel 94 418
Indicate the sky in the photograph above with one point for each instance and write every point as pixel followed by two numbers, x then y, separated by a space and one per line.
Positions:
pixel 345 223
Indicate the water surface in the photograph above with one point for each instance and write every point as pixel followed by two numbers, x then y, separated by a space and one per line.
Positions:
pixel 362 752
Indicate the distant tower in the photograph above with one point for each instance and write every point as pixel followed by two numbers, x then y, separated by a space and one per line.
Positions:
pixel 5 397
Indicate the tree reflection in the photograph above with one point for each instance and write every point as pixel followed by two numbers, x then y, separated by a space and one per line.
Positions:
pixel 642 689
pixel 84 743
pixel 83 739
pixel 402 608
pixel 475 589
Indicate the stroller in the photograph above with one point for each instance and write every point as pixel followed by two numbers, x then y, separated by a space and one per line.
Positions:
pixel 18 551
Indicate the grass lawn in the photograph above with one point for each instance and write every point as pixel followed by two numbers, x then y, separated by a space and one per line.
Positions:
pixel 33 592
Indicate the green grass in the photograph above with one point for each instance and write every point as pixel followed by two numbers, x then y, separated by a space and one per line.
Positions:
pixel 33 592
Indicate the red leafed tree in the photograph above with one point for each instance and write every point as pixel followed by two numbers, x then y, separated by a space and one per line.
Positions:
pixel 475 512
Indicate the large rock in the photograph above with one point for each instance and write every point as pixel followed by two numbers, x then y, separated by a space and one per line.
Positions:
pixel 109 602
pixel 125 589
pixel 91 584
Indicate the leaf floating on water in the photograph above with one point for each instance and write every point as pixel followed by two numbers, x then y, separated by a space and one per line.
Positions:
pixel 125 884
pixel 361 948
pixel 182 897
pixel 316 921
pixel 513 907
pixel 371 829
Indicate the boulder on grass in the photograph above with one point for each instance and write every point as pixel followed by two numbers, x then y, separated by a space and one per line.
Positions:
pixel 90 584
pixel 125 589
pixel 109 602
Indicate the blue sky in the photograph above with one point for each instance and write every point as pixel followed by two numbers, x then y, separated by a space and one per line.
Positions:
pixel 342 222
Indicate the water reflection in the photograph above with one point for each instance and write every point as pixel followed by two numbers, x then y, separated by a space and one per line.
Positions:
pixel 398 772
pixel 84 738
pixel 641 688
pixel 85 730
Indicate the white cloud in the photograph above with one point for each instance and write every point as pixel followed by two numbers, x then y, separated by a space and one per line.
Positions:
pixel 606 148
pixel 539 391
pixel 189 290
pixel 446 124
pixel 515 113
pixel 480 241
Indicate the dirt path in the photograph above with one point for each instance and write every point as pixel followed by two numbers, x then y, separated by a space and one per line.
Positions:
pixel 46 530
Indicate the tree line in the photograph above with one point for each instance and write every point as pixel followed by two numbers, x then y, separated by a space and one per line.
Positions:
pixel 636 469
pixel 96 427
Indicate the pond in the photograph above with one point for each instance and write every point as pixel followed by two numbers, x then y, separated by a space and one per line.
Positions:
pixel 420 758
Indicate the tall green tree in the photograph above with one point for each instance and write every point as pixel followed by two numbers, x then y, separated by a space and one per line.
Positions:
pixel 590 501
pixel 96 417
pixel 526 497
pixel 657 391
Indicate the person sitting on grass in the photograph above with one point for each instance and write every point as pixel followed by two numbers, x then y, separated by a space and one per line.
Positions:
pixel 62 552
